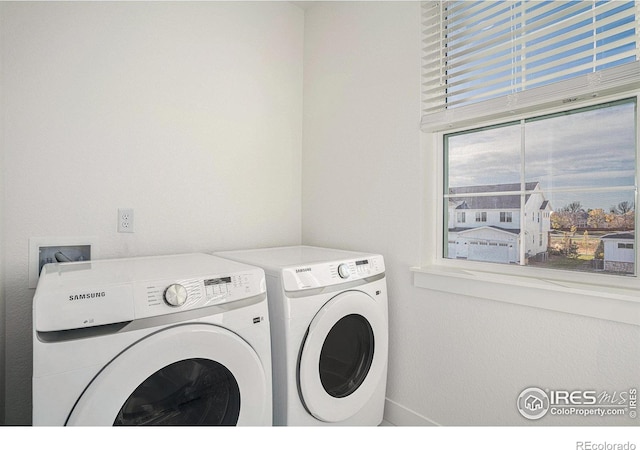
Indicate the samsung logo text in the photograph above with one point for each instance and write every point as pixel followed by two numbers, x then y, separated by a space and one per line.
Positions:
pixel 87 296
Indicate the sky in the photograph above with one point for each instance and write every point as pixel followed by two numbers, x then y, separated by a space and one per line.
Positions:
pixel 592 149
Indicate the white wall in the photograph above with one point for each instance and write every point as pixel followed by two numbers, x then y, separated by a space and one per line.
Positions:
pixel 190 113
pixel 454 360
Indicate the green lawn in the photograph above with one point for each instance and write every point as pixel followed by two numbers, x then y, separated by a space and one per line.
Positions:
pixel 582 262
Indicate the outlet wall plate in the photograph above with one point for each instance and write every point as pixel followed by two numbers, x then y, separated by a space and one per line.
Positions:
pixel 125 220
pixel 43 250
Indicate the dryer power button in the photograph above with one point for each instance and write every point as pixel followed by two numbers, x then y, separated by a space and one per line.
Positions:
pixel 175 295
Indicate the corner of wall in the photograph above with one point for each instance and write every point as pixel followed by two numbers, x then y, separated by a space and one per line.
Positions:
pixel 2 246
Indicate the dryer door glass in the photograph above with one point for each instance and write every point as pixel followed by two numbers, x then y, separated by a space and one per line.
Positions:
pixel 346 355
pixel 189 392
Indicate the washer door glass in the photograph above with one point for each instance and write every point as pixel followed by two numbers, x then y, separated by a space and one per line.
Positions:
pixel 181 375
pixel 346 355
pixel 190 392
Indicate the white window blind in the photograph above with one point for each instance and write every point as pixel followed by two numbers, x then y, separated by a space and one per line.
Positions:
pixel 492 58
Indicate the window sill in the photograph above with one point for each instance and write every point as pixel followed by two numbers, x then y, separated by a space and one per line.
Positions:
pixel 602 302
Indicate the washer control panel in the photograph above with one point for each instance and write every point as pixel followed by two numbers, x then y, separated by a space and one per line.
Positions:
pixel 331 273
pixel 164 296
pixel 81 295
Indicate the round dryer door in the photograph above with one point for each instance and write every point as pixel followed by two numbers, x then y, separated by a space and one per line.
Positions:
pixel 343 356
pixel 193 374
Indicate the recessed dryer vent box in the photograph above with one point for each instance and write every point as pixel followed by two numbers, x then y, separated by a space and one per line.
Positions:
pixel 51 250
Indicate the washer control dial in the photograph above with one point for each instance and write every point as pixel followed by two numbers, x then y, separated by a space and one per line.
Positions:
pixel 175 295
pixel 343 271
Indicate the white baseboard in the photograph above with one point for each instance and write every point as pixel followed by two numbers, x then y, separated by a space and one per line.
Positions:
pixel 400 416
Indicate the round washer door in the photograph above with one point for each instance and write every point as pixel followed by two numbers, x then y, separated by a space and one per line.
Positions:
pixel 194 374
pixel 343 356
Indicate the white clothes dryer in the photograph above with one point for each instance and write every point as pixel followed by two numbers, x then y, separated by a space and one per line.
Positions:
pixel 329 333
pixel 172 340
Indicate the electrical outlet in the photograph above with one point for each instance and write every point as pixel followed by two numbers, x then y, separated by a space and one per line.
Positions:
pixel 125 220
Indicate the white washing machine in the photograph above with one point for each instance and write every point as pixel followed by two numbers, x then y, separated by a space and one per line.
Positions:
pixel 329 333
pixel 173 340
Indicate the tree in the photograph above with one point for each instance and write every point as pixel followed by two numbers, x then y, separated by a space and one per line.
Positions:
pixel 623 216
pixel 597 218
pixel 623 208
pixel 599 253
pixel 573 207
pixel 560 220
pixel 569 248
pixel 571 215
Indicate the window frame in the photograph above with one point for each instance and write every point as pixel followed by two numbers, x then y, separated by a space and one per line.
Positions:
pixel 543 272
pixel 519 122
pixel 612 297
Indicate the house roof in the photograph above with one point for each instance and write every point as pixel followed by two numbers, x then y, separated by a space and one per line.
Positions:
pixel 504 230
pixel 621 235
pixel 491 201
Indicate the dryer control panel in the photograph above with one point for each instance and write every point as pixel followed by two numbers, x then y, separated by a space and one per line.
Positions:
pixel 325 274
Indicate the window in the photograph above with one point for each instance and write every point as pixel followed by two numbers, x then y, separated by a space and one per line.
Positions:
pixel 531 75
pixel 462 217
pixel 535 106
pixel 578 164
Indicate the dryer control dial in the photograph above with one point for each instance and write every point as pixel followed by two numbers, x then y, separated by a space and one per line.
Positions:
pixel 343 271
pixel 175 295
